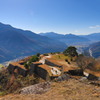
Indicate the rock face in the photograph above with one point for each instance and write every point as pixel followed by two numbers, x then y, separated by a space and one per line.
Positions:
pixel 36 89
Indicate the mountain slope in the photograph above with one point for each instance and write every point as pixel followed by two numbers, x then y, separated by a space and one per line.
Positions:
pixel 95 48
pixel 52 35
pixel 16 42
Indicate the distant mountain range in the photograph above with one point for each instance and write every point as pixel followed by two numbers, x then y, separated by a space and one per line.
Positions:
pixel 71 39
pixel 15 43
pixel 85 43
pixel 94 37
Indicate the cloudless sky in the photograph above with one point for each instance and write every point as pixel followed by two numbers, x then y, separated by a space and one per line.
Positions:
pixel 61 16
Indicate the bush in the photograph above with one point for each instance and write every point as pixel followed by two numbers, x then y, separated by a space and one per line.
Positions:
pixel 58 52
pixel 45 54
pixel 85 62
pixel 33 59
pixel 52 53
pixel 26 65
pixel 3 93
pixel 95 65
pixel 38 54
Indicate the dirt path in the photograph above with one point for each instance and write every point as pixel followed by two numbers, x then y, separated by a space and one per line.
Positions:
pixel 44 58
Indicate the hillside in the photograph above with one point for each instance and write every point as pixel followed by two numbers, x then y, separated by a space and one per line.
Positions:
pixel 95 48
pixel 15 43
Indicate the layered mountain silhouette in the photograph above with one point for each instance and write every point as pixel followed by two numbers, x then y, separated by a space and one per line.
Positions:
pixel 15 43
pixel 94 37
pixel 89 42
pixel 69 39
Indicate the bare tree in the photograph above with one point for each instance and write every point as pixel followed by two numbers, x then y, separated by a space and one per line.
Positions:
pixel 85 62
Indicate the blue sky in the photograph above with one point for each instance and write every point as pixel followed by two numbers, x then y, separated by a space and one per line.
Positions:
pixel 61 16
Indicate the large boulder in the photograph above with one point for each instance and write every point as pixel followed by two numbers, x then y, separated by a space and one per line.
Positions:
pixel 37 88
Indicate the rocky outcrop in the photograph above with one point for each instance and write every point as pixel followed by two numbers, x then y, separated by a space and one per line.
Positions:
pixel 36 89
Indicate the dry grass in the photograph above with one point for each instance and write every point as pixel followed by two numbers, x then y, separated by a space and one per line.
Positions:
pixel 96 73
pixel 60 57
pixel 97 64
pixel 66 90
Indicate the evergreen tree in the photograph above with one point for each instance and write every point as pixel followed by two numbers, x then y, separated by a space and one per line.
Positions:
pixel 71 51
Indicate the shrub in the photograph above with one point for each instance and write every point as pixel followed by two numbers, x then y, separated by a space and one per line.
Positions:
pixel 85 62
pixel 26 65
pixel 58 52
pixel 34 58
pixel 38 54
pixel 45 54
pixel 3 93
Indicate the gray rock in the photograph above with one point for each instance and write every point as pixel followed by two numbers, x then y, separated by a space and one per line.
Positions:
pixel 83 79
pixel 36 89
pixel 63 77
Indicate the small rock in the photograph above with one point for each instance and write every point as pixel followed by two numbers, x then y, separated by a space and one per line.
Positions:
pixel 83 79
pixel 63 77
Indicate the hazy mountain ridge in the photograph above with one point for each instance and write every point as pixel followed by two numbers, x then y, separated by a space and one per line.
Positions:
pixel 94 37
pixel 16 42
pixel 69 39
